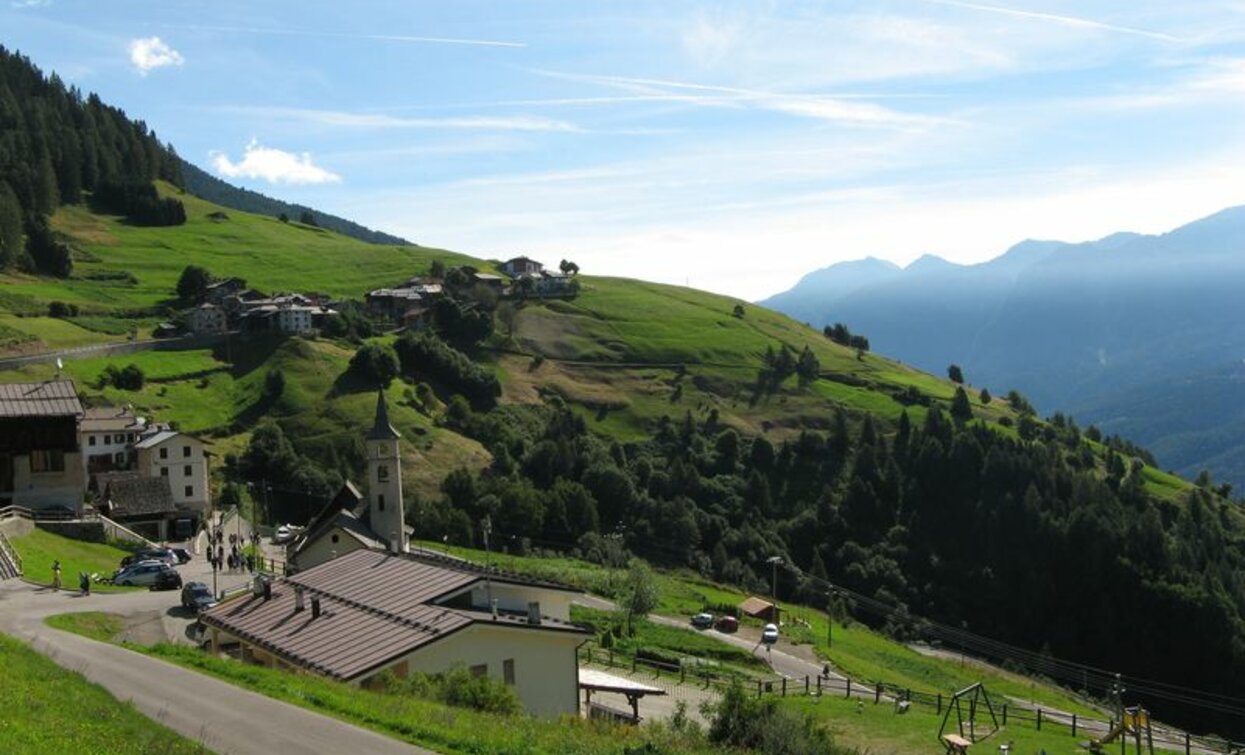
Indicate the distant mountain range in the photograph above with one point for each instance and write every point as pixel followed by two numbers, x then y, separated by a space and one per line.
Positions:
pixel 1143 336
pixel 206 186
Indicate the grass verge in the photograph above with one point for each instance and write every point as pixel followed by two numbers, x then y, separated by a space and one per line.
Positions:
pixel 39 548
pixel 50 710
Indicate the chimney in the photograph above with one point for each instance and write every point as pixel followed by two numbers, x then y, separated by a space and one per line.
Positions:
pixel 298 598
pixel 494 606
pixel 315 607
pixel 395 542
pixel 257 586
pixel 533 613
pixel 267 589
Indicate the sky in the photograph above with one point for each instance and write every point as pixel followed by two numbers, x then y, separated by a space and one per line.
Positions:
pixel 733 147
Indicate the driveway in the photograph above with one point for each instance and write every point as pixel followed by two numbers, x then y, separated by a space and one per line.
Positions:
pixel 221 716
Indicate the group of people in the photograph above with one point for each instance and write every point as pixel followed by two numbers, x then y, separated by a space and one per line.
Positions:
pixel 84 579
pixel 236 559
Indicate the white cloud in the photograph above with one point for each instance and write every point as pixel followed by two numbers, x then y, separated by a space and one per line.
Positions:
pixel 274 166
pixel 30 3
pixel 1077 22
pixel 150 53
pixel 382 121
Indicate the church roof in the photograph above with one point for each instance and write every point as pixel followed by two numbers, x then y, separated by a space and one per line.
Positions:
pixel 381 429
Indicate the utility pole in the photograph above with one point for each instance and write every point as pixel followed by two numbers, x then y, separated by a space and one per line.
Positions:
pixel 774 561
pixel 487 527
pixel 830 618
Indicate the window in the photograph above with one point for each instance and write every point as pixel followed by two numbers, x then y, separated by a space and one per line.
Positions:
pixel 164 471
pixel 380 502
pixel 47 461
pixel 164 453
pixel 90 441
pixel 129 437
pixel 190 491
pixel 187 470
pixel 382 473
pixel 507 670
pixel 335 538
pixel 481 670
pixel 107 439
pixel 119 458
pixel 186 451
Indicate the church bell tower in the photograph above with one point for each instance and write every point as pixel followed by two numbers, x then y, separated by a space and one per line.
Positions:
pixel 384 480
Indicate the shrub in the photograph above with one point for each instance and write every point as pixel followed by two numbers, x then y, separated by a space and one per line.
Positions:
pixel 739 720
pixel 129 378
pixel 458 687
pixel 375 362
pixel 61 309
pixel 425 355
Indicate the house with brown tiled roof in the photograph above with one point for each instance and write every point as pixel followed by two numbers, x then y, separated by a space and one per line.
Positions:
pixel 40 458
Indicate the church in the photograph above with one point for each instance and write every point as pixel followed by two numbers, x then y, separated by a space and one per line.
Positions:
pixel 361 602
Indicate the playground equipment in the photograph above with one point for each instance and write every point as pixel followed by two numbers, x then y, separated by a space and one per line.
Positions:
pixel 965 704
pixel 1133 724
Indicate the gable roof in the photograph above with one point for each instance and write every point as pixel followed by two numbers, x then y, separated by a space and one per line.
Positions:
pixel 50 398
pixel 375 608
pixel 131 494
pixel 103 418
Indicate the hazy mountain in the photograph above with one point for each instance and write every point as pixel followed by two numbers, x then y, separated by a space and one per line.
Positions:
pixel 1121 331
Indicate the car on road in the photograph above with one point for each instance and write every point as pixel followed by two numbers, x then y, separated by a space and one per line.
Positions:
pixel 197 597
pixel 769 635
pixel 182 555
pixel 285 533
pixel 167 579
pixel 727 624
pixel 702 620
pixel 145 574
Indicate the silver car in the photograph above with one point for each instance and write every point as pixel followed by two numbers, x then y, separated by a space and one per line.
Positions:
pixel 142 574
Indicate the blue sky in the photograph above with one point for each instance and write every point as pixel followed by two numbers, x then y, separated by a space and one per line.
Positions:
pixel 732 146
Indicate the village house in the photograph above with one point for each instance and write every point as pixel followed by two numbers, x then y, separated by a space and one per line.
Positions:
pixel 207 318
pixel 219 291
pixel 392 303
pixel 180 458
pixel 521 266
pixel 40 459
pixel 362 602
pixel 106 435
pixel 495 282
pixel 144 504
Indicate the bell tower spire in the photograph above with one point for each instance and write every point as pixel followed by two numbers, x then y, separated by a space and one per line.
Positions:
pixel 384 479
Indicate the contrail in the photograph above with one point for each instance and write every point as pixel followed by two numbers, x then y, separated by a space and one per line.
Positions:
pixel 347 35
pixel 1084 23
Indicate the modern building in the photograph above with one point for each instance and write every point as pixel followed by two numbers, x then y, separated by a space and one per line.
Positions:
pixel 40 459
pixel 106 435
pixel 373 611
pixel 180 458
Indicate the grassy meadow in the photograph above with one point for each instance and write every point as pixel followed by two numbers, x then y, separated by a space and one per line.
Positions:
pixel 39 548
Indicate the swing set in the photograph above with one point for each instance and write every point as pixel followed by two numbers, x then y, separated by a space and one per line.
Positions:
pixel 965 704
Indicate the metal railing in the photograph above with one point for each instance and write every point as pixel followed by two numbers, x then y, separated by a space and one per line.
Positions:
pixel 8 552
pixel 116 531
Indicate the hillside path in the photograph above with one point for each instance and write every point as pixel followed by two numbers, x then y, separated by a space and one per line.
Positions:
pixel 221 716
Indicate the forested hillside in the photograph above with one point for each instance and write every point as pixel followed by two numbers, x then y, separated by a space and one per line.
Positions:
pixel 56 144
pixel 203 184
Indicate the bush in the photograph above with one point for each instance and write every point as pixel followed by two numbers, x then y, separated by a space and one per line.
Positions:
pixel 375 362
pixel 458 687
pixel 425 355
pixel 274 384
pixel 739 720
pixel 62 310
pixel 129 378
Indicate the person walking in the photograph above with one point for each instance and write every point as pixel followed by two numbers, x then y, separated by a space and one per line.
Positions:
pixel 84 582
pixel 56 574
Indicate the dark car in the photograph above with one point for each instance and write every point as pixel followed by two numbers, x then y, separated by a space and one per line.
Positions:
pixel 197 597
pixel 167 579
pixel 727 624
pixel 182 555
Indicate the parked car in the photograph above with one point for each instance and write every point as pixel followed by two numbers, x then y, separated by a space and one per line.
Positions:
pixel 284 534
pixel 769 635
pixel 702 620
pixel 167 579
pixel 728 624
pixel 183 555
pixel 145 574
pixel 197 597
pixel 150 554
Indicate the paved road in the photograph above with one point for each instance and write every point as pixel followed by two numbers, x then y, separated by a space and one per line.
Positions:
pixel 225 718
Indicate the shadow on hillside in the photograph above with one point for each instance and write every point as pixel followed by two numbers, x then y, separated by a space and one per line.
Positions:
pixel 348 382
pixel 246 353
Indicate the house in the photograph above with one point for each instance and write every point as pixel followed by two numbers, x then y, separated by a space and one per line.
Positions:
pixel 521 266
pixel 144 504
pixel 362 602
pixel 495 282
pixel 207 318
pixel 182 459
pixel 165 330
pixel 391 303
pixel 219 291
pixel 40 459
pixel 285 317
pixel 106 435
